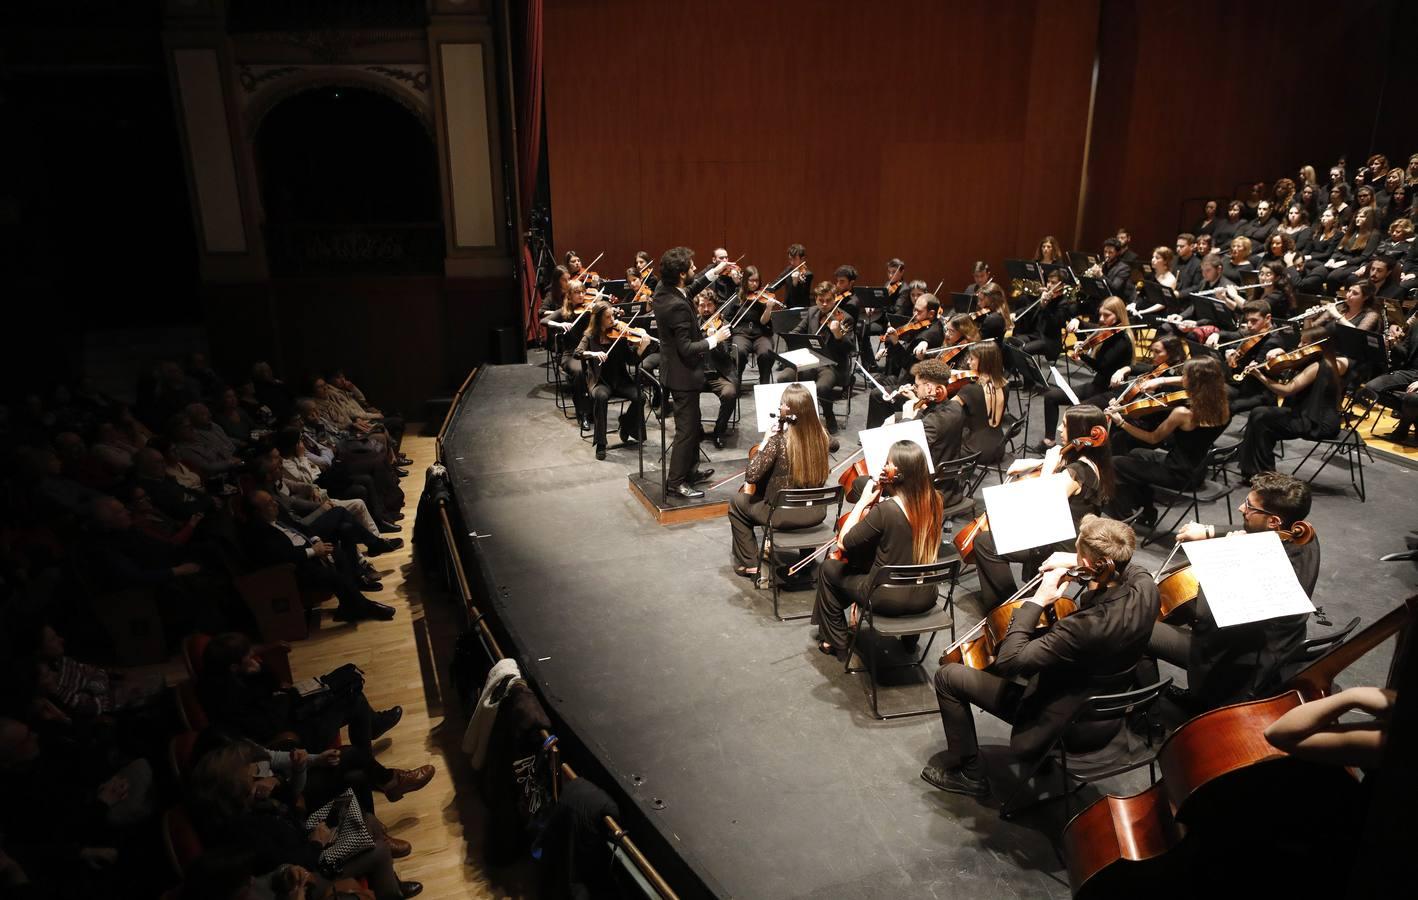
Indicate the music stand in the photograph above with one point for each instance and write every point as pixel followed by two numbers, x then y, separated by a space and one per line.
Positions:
pixel 1065 273
pixel 962 302
pixel 871 297
pixel 1023 270
pixel 1081 262
pixel 617 288
pixel 1155 292
pixel 813 343
pixel 1366 349
pixel 1221 315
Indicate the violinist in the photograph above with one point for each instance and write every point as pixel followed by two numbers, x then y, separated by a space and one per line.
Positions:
pixel 927 399
pixel 892 524
pixel 1230 665
pixel 753 327
pixel 638 287
pixel 796 279
pixel 1088 463
pixel 980 276
pixel 1250 393
pixel 729 278
pixel 722 375
pixel 873 321
pixel 1105 351
pixel 996 321
pixel 569 321
pixel 982 404
pixel 560 282
pixel 1189 430
pixel 604 348
pixel 645 264
pixel 591 280
pixel 827 319
pixel 794 455
pixel 913 339
pixel 1092 651
pixel 1311 409
pixel 1163 373
pixel 682 350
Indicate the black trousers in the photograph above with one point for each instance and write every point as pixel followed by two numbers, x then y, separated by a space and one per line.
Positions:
pixel 840 584
pixel 864 336
pixel 1248 395
pixel 633 418
pixel 1137 471
pixel 747 513
pixel 727 390
pixel 1392 389
pixel 759 348
pixel 575 371
pixel 956 687
pixel 1265 428
pixel 318 721
pixel 825 378
pixel 684 452
pixel 1169 643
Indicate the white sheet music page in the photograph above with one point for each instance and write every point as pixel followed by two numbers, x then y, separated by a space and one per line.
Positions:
pixel 1247 578
pixel 1064 386
pixel 876 442
pixel 802 358
pixel 768 397
pixel 1030 513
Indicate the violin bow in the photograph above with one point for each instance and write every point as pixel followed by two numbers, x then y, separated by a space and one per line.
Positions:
pixel 827 320
pixel 1249 336
pixel 612 347
pixel 1162 570
pixel 877 384
pixel 936 293
pixel 785 276
pixel 974 629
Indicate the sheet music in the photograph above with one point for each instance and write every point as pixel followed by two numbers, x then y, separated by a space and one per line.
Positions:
pixel 1064 386
pixel 1023 465
pixel 876 442
pixel 801 358
pixel 1028 514
pixel 767 397
pixel 1247 578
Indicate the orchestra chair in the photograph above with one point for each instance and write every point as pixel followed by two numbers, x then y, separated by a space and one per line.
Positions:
pixel 1014 429
pixel 1203 490
pixel 1348 444
pixel 1303 655
pixel 793 542
pixel 189 707
pixel 938 618
pixel 957 480
pixel 1125 752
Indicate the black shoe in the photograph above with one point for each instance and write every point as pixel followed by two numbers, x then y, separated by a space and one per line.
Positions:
pixel 956 780
pixel 389 528
pixel 383 721
pixel 384 546
pixel 600 453
pixel 831 424
pixel 1039 447
pixel 718 440
pixel 410 888
pixel 587 425
pixel 701 475
pixel 370 584
pixel 395 517
pixel 688 492
pixel 1398 435
pixel 402 473
pixel 1148 517
pixel 1178 695
pixel 404 460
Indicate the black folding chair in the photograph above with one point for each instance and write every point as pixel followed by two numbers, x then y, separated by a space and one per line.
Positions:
pixel 1348 444
pixel 790 542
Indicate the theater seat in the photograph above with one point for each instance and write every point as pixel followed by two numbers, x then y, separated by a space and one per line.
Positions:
pixel 180 839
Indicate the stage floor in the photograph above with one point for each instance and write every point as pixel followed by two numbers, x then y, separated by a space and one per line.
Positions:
pixel 774 779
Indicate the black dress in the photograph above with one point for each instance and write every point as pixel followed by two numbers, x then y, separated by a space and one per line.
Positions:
pixel 1312 414
pixel 1178 466
pixel 769 473
pixel 980 435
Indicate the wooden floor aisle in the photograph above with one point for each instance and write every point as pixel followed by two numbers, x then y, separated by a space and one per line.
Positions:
pixel 445 821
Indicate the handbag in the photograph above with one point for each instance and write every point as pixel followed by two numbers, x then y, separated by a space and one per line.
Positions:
pixel 342 682
pixel 352 835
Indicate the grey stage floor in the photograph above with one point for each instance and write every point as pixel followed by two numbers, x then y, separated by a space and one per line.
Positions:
pixel 775 781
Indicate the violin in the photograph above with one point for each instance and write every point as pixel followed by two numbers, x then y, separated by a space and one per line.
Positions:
pixel 948 352
pixel 964 539
pixel 914 325
pixel 1144 406
pixel 1287 362
pixel 1093 341
pixel 884 480
pixel 1136 387
pixel 958 380
pixel 619 330
pixel 980 646
pixel 1220 775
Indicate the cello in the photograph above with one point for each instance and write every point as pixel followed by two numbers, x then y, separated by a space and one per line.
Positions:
pixel 1218 773
pixel 1177 586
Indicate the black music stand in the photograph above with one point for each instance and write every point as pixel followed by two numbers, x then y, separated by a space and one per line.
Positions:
pixel 1065 272
pixel 1024 270
pixel 871 297
pixel 1221 315
pixel 1366 349
pixel 1081 262
pixel 962 303
pixel 814 343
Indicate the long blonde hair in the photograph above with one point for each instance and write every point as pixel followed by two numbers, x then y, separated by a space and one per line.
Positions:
pixel 805 440
pixel 1119 309
pixel 921 501
pixel 999 303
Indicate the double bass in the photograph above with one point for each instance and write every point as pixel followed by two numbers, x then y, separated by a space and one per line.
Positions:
pixel 1223 787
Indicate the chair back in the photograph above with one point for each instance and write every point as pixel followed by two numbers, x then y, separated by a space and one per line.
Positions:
pixel 806 498
pixel 180 839
pixel 1107 707
pixel 1014 430
pixel 911 577
pixel 955 475
pixel 1312 649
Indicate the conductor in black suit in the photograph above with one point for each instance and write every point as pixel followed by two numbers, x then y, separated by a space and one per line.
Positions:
pixel 682 351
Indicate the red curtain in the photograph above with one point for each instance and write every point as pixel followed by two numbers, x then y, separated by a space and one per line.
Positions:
pixel 529 146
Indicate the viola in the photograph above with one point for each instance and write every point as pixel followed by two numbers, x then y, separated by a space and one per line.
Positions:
pixel 980 646
pixel 1218 770
pixel 958 380
pixel 1148 405
pixel 1288 362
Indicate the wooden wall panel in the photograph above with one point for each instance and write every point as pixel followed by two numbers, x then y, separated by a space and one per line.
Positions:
pixel 937 132
pixel 1196 97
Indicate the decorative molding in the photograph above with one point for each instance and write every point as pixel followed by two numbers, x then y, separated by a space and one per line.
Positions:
pixel 264 86
pixel 336 45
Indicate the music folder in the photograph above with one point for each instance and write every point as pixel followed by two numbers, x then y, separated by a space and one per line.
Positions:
pixel 871 297
pixel 814 344
pixel 1065 273
pixel 1094 288
pixel 1220 313
pixel 1156 292
pixel 1023 269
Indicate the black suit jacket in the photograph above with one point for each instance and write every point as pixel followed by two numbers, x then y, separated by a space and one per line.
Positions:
pixel 1090 652
pixel 682 343
pixel 269 546
pixel 794 295
pixel 833 347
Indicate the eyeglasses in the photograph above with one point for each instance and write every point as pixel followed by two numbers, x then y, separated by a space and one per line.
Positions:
pixel 1247 508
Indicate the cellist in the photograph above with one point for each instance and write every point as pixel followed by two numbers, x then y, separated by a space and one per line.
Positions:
pixel 1092 651
pixel 1228 665
pixel 902 529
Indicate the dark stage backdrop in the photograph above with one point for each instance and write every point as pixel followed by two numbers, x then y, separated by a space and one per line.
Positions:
pixel 938 132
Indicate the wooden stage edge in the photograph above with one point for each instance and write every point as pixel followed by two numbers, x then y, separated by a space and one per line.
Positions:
pixel 647 491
